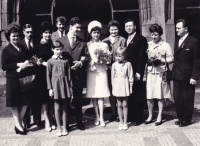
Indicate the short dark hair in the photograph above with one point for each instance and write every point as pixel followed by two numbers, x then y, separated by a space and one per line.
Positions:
pixel 74 21
pixel 95 29
pixel 61 19
pixel 184 21
pixel 156 28
pixel 129 20
pixel 44 26
pixel 121 51
pixel 113 23
pixel 56 44
pixel 26 26
pixel 11 29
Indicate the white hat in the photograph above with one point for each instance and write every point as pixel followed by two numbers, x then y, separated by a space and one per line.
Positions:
pixel 94 24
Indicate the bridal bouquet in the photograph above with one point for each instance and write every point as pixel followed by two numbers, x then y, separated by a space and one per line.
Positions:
pixel 103 57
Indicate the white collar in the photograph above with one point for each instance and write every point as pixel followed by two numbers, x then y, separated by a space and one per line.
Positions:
pixel 183 38
pixel 26 40
pixel 62 33
pixel 56 57
pixel 70 35
pixel 132 36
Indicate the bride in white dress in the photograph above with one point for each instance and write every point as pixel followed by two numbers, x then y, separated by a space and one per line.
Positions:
pixel 97 79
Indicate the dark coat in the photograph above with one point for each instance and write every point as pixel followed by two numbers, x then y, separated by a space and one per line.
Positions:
pixel 10 57
pixel 55 35
pixel 75 54
pixel 136 53
pixel 186 59
pixel 28 51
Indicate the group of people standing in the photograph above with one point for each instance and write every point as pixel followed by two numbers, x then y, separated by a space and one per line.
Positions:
pixel 63 58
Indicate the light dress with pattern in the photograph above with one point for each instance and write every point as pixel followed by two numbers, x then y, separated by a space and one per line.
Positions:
pixel 122 79
pixel 97 78
pixel 155 86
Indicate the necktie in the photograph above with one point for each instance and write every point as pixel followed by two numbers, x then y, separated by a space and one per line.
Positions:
pixel 180 41
pixel 128 41
pixel 29 45
pixel 61 34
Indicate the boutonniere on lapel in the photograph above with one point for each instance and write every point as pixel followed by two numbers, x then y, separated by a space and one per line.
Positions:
pixel 182 45
pixel 131 42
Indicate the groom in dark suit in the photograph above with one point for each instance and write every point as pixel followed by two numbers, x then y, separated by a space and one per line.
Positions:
pixel 137 56
pixel 74 51
pixel 185 72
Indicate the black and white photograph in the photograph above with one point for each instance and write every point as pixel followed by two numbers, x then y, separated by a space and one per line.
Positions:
pixel 99 72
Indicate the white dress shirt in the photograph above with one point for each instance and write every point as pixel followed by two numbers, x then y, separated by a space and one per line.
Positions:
pixel 182 39
pixel 130 38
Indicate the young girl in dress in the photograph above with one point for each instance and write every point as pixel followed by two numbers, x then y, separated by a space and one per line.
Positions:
pixel 122 82
pixel 59 85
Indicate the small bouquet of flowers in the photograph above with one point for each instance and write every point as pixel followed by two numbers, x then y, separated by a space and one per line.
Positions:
pixel 154 57
pixel 33 61
pixel 103 57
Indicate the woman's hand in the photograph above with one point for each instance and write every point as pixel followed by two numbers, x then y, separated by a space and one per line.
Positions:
pixel 51 92
pixel 44 63
pixel 131 90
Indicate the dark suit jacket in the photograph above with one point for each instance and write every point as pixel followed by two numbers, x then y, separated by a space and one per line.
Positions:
pixel 136 53
pixel 75 54
pixel 28 51
pixel 55 35
pixel 186 59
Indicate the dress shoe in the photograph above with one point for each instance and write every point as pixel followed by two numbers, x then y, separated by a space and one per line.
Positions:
pixel 177 122
pixel 17 131
pixel 26 130
pixel 136 123
pixel 184 123
pixel 148 122
pixel 117 119
pixel 81 126
pixel 158 123
pixel 112 118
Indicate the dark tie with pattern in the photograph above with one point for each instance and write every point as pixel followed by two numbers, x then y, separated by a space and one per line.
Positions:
pixel 29 45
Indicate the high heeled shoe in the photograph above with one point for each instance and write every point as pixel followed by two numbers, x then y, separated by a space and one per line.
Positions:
pixel 17 131
pixel 148 122
pixel 158 123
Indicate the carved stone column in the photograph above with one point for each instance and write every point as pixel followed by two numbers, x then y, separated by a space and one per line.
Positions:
pixel 161 12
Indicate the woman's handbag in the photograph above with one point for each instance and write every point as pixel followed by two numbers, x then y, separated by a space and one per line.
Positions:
pixel 28 83
pixel 167 74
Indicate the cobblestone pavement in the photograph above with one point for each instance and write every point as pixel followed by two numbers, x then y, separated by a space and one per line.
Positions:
pixel 166 134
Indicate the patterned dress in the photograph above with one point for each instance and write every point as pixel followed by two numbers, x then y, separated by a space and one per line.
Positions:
pixel 156 88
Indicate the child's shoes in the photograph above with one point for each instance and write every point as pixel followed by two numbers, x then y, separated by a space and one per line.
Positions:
pixel 120 127
pixel 53 127
pixel 59 133
pixel 48 128
pixel 125 127
pixel 64 132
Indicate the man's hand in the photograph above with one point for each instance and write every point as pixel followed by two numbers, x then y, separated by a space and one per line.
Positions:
pixel 137 76
pixel 51 92
pixel 76 65
pixel 193 82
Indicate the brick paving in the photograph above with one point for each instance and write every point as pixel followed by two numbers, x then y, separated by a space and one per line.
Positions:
pixel 166 134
